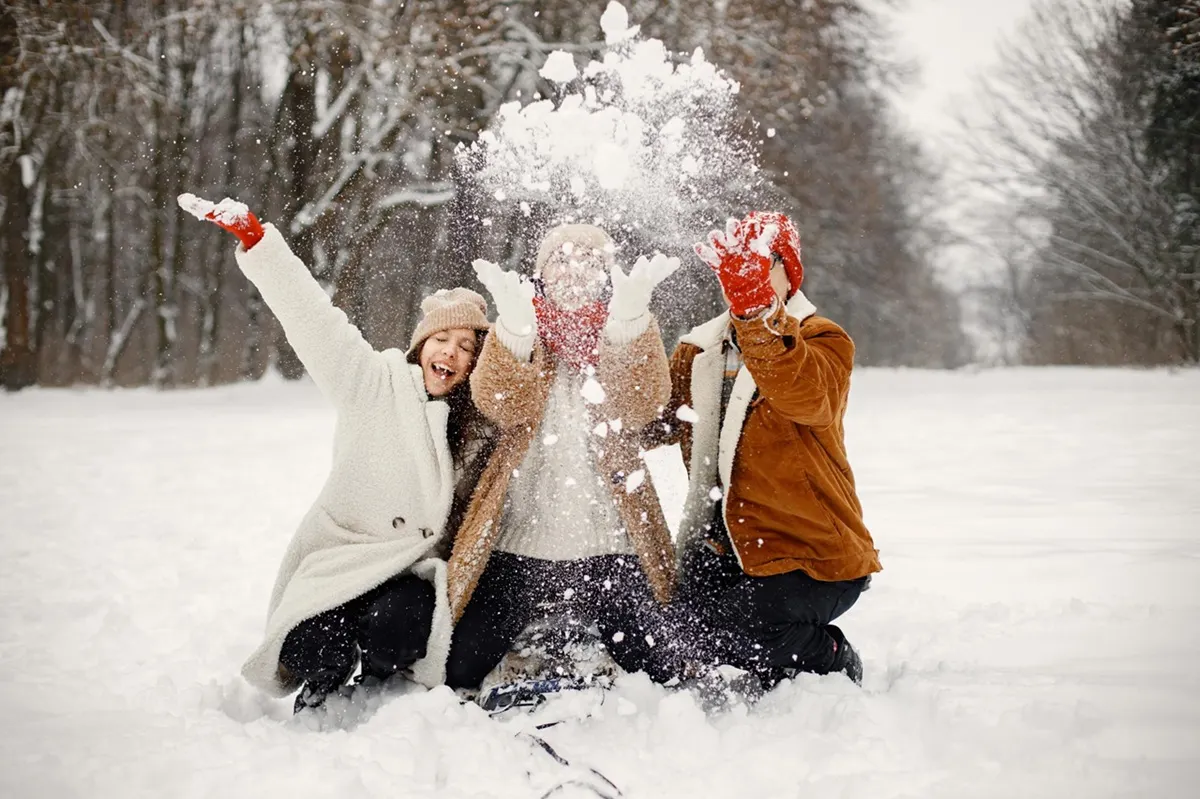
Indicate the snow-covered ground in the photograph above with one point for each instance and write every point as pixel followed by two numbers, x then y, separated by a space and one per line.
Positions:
pixel 1034 633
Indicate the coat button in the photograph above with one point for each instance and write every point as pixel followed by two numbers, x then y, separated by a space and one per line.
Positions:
pixel 398 522
pixel 426 532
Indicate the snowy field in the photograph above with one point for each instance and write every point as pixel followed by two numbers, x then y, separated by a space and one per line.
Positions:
pixel 1034 633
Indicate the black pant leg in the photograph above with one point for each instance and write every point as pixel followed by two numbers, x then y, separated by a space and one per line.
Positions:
pixel 632 624
pixel 712 630
pixel 497 613
pixel 322 643
pixel 784 619
pixel 394 623
pixel 642 634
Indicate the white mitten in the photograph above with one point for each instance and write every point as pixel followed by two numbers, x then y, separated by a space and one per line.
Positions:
pixel 512 294
pixel 629 308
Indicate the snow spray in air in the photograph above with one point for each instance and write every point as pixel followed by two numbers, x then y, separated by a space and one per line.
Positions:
pixel 633 141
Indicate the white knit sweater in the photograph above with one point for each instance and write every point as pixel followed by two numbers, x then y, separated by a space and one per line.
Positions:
pixel 558 507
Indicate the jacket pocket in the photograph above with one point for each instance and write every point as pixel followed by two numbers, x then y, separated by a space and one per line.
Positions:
pixel 818 500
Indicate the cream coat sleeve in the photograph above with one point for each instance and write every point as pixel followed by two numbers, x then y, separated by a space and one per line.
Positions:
pixel 338 358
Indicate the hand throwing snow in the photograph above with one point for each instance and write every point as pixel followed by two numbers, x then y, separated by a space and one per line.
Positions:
pixel 228 214
pixel 631 293
pixel 756 260
pixel 512 294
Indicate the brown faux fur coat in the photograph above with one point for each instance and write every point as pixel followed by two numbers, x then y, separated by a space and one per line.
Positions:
pixel 513 395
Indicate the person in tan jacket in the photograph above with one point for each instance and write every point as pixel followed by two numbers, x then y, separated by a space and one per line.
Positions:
pixel 772 541
pixel 565 520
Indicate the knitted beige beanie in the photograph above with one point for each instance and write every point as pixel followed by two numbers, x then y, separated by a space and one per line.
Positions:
pixel 579 239
pixel 447 309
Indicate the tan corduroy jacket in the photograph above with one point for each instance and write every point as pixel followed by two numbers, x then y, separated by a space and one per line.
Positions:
pixel 778 456
pixel 513 395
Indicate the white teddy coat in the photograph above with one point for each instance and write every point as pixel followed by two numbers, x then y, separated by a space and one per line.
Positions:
pixel 384 505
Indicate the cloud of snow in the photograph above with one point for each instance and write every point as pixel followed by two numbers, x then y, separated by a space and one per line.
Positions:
pixel 615 24
pixel 639 139
pixel 559 67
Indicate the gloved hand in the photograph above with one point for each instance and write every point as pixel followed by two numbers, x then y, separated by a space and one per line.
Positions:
pixel 631 293
pixel 227 214
pixel 512 295
pixel 768 232
pixel 745 275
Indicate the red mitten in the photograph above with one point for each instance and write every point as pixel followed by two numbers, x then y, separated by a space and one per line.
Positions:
pixel 228 214
pixel 745 276
pixel 766 232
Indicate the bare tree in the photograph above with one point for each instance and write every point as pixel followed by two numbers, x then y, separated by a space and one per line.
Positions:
pixel 1071 185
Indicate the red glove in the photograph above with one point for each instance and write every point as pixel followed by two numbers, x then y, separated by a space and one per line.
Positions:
pixel 772 232
pixel 745 275
pixel 228 214
pixel 246 228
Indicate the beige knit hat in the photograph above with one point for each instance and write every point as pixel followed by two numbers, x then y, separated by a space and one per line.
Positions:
pixel 580 237
pixel 447 309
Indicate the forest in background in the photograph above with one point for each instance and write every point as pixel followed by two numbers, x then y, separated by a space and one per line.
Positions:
pixel 1087 163
pixel 339 122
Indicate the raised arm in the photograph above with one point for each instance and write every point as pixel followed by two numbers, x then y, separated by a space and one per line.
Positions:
pixel 509 390
pixel 633 366
pixel 636 378
pixel 340 361
pixel 801 368
pixel 509 384
pixel 333 350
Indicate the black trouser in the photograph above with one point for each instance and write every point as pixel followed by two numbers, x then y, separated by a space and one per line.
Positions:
pixel 389 624
pixel 763 624
pixel 609 591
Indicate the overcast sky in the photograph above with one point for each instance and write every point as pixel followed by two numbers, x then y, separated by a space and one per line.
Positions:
pixel 951 40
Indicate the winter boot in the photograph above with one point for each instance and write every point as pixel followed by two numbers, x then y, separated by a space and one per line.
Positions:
pixel 845 659
pixel 550 656
pixel 320 685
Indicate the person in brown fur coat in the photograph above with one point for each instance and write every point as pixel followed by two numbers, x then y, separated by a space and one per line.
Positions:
pixel 773 543
pixel 565 519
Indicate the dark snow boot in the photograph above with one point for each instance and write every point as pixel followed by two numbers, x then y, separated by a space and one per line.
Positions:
pixel 550 656
pixel 319 686
pixel 845 659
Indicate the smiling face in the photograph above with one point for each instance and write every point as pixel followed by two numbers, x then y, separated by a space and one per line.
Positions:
pixel 446 359
pixel 574 276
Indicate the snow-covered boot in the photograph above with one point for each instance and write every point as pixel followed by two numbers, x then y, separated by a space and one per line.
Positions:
pixel 845 659
pixel 554 655
pixel 320 685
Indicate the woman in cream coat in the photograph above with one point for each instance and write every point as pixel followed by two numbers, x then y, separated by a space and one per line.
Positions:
pixel 362 578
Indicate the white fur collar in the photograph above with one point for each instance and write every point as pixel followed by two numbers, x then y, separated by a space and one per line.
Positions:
pixel 710 334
